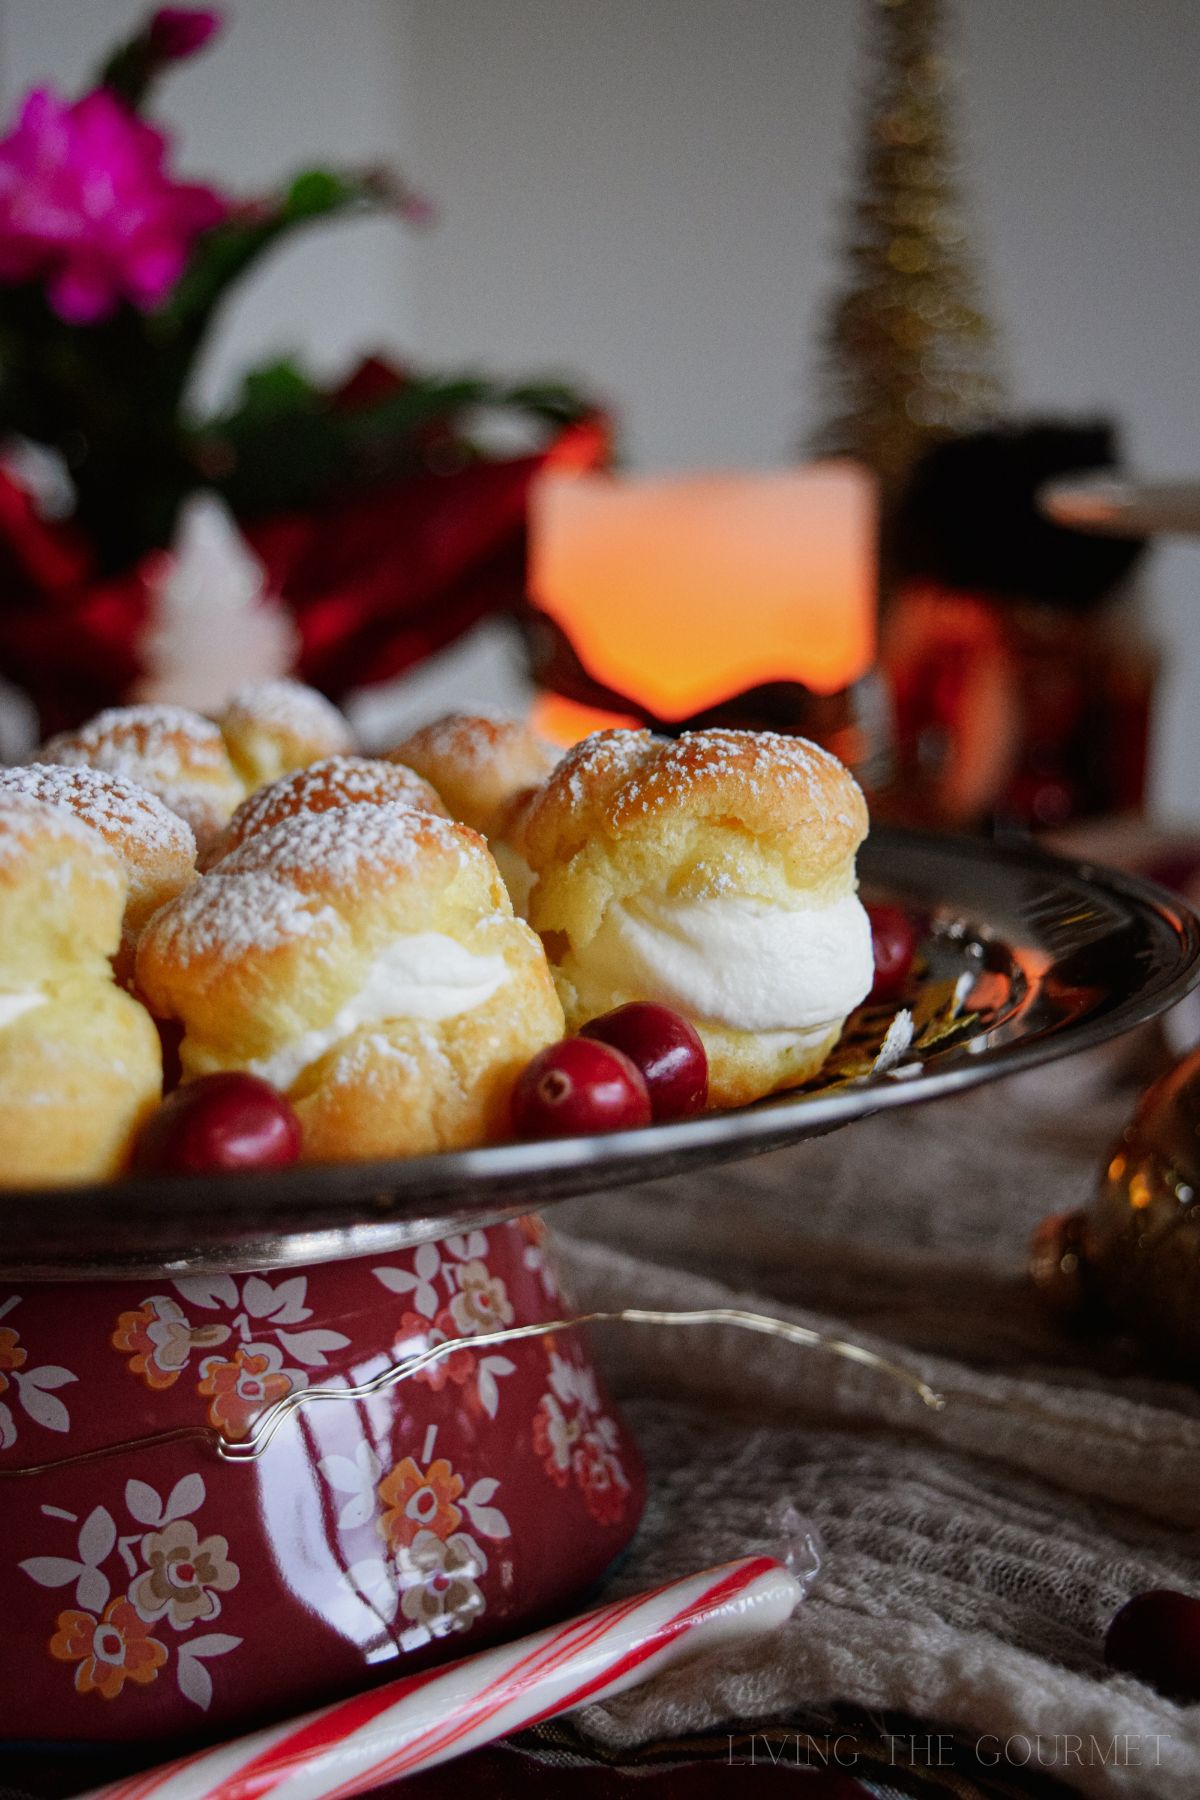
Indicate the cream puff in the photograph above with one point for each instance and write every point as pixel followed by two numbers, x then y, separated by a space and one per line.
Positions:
pixel 366 961
pixel 156 847
pixel 80 1065
pixel 336 781
pixel 273 727
pixel 487 769
pixel 177 754
pixel 713 874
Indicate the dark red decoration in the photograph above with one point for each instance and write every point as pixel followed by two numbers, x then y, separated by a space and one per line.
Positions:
pixel 1156 1637
pixel 666 1048
pixel 578 1087
pixel 312 1570
pixel 229 1121
pixel 893 945
pixel 377 578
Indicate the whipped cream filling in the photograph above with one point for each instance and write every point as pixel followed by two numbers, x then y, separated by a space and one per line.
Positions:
pixel 751 965
pixel 423 975
pixel 13 1005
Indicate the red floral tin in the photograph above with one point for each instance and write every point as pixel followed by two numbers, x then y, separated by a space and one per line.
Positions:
pixel 203 1526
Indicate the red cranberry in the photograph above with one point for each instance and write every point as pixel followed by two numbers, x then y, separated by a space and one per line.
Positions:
pixel 578 1087
pixel 894 944
pixel 666 1048
pixel 1156 1636
pixel 230 1121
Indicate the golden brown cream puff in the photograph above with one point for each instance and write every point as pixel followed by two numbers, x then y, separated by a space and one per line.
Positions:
pixel 80 1065
pixel 177 754
pixel 366 961
pixel 273 727
pixel 713 874
pixel 336 781
pixel 156 847
pixel 486 768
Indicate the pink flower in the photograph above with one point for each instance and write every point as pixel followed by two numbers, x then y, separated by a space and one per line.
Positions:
pixel 86 206
pixel 176 32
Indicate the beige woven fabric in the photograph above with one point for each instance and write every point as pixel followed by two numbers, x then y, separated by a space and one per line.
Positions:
pixel 973 1556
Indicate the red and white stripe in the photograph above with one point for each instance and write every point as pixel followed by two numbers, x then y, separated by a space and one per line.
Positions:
pixel 421 1720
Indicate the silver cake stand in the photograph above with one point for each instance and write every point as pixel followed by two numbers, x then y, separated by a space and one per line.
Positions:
pixel 1051 958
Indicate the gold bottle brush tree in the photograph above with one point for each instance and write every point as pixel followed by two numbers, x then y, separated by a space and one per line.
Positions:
pixel 908 350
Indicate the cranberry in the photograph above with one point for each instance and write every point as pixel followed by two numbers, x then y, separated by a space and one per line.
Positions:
pixel 230 1121
pixel 894 944
pixel 1156 1636
pixel 576 1087
pixel 667 1050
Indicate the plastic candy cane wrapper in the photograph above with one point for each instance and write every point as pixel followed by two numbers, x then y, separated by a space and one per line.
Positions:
pixel 412 1724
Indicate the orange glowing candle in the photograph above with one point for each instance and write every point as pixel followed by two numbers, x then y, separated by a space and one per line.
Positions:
pixel 681 592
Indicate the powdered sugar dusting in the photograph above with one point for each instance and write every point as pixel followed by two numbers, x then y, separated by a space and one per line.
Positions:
pixel 336 781
pixel 624 781
pixel 759 761
pixel 168 743
pixel 343 845
pixel 126 815
pixel 476 741
pixel 231 917
pixel 291 708
pixel 24 819
pixel 604 760
pixel 363 1062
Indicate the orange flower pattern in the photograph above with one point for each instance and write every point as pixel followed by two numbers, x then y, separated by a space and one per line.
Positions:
pixel 417 1334
pixel 577 1442
pixel 161 1340
pixel 12 1356
pixel 429 1572
pixel 417 1499
pixel 240 1390
pixel 109 1651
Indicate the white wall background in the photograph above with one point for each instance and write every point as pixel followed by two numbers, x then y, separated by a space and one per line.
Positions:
pixel 645 191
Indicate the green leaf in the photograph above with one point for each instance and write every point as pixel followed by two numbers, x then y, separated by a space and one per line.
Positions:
pixel 130 70
pixel 222 256
pixel 278 389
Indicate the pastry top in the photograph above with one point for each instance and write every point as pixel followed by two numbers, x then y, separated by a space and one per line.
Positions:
pixel 759 784
pixel 481 764
pixel 177 754
pixel 273 727
pixel 62 894
pixel 156 847
pixel 359 869
pixel 365 850
pixel 335 781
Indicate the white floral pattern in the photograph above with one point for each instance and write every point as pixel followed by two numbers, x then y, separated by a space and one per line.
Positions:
pixel 145 1588
pixel 470 1300
pixel 32 1388
pixel 250 1372
pixel 579 1442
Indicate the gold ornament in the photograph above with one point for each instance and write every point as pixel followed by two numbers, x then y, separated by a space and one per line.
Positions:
pixel 1133 1257
pixel 909 352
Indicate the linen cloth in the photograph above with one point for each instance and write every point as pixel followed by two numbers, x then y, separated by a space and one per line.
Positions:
pixel 972 1557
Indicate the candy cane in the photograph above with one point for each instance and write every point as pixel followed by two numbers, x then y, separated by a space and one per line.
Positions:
pixel 420 1720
